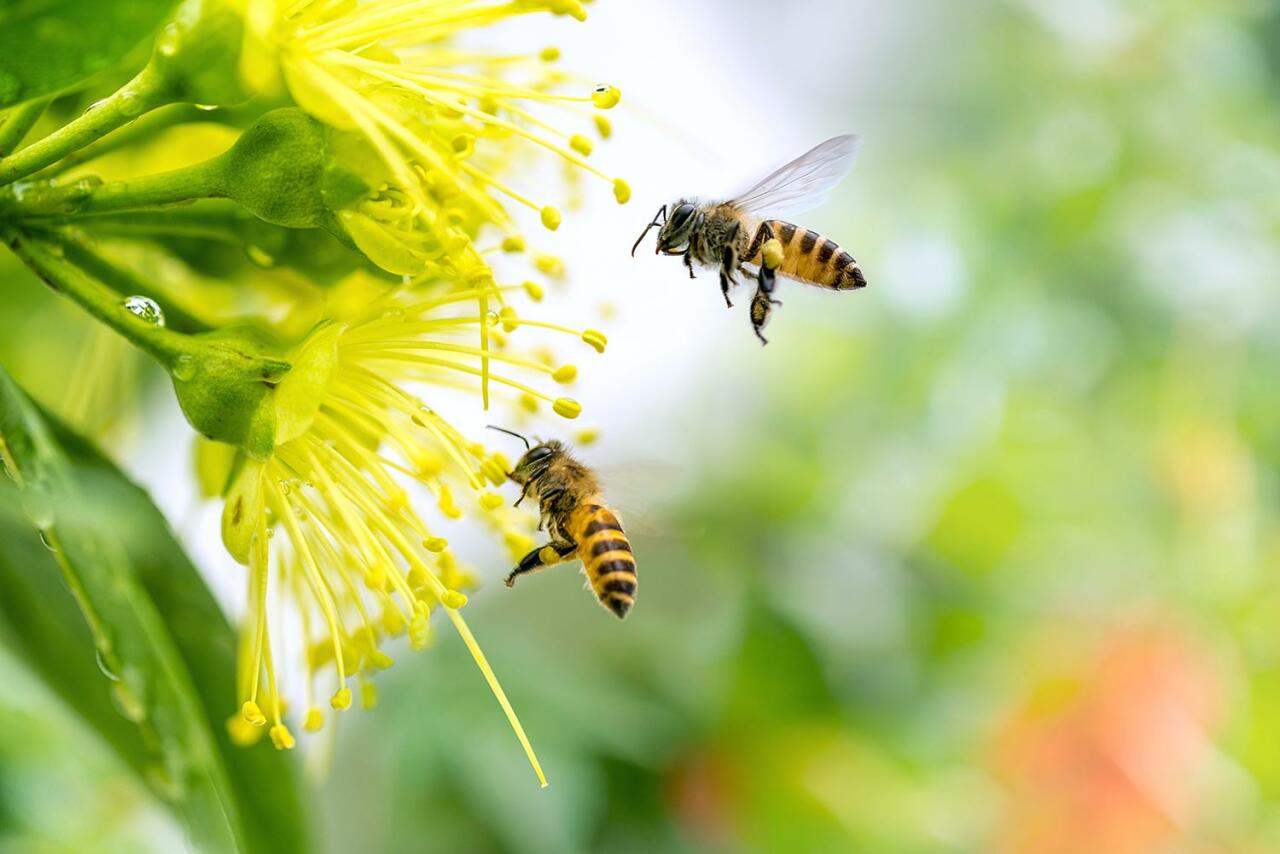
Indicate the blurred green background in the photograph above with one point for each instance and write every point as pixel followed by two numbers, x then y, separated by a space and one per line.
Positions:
pixel 991 563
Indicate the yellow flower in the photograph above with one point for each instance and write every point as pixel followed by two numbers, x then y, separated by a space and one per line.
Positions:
pixel 326 522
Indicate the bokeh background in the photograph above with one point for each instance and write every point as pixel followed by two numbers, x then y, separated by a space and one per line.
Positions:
pixel 984 557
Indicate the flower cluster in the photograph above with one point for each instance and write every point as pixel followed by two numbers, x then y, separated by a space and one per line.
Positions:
pixel 381 149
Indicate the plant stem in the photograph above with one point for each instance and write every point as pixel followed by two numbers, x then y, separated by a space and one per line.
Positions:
pixel 21 119
pixel 89 196
pixel 165 345
pixel 142 94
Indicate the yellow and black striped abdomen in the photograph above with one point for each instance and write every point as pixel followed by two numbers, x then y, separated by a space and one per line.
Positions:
pixel 606 556
pixel 812 258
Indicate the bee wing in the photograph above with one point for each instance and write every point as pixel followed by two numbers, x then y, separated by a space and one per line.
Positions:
pixel 803 183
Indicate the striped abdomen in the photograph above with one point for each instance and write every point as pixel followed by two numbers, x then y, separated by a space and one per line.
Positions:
pixel 812 258
pixel 606 557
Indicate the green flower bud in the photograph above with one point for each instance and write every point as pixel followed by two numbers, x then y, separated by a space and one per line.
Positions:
pixel 277 169
pixel 225 383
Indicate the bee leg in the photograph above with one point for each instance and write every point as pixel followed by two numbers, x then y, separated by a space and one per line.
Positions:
pixel 540 558
pixel 728 264
pixel 761 308
pixel 688 263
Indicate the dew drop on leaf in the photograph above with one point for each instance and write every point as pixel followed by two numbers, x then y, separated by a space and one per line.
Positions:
pixel 184 368
pixel 145 308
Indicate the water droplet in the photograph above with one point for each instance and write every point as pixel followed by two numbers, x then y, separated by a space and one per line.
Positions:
pixel 130 103
pixel 284 487
pixel 96 105
pixel 184 368
pixel 206 107
pixel 107 669
pixel 145 308
pixel 491 318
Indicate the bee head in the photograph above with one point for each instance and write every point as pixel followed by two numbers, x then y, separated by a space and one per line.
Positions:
pixel 536 460
pixel 674 231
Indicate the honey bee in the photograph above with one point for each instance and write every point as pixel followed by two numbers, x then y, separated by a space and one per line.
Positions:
pixel 578 522
pixel 738 235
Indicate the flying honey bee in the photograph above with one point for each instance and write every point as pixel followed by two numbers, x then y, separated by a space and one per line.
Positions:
pixel 739 235
pixel 578 522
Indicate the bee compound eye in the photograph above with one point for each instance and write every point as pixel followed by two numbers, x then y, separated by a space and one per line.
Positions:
pixel 539 453
pixel 681 215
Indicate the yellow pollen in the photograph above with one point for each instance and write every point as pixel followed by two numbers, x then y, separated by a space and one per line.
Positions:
pixel 604 127
pixel 550 218
pixel 549 264
pixel 772 253
pixel 565 374
pixel 513 243
pixel 549 54
pixel 453 599
pixel 491 501
pixel 435 544
pixel 596 339
pixel 341 700
pixel 581 144
pixel 534 291
pixel 509 318
pixel 529 402
pixel 567 407
pixel 588 436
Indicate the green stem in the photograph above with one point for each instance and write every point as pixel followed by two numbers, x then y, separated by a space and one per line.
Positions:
pixel 142 94
pixel 126 283
pixel 21 119
pixel 90 196
pixel 165 345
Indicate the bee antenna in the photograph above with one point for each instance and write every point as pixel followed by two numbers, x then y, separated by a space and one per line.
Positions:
pixel 510 433
pixel 662 212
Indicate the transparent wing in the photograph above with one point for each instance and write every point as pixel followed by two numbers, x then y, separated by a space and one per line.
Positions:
pixel 803 183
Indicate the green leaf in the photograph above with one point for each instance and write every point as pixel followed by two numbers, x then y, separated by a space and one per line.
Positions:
pixel 113 592
pixel 48 46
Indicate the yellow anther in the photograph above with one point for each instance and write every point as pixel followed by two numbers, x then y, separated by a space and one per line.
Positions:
pixel 380 659
pixel 445 503
pixel 550 218
pixel 281 737
pixel 588 435
pixel 567 407
pixel 516 542
pixel 513 243
pixel 772 253
pixel 510 320
pixel 596 339
pixel 464 144
pixel 581 144
pixel 314 721
pixel 572 8
pixel 252 714
pixel 428 462
pixel 341 700
pixel 604 127
pixel 419 631
pixel 392 620
pixel 534 290
pixel 529 402
pixel 549 54
pixel 368 695
pixel 495 469
pixel 453 599
pixel 242 733
pixel 565 374
pixel 606 97
pixel 435 544
pixel 549 264
pixel 621 191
